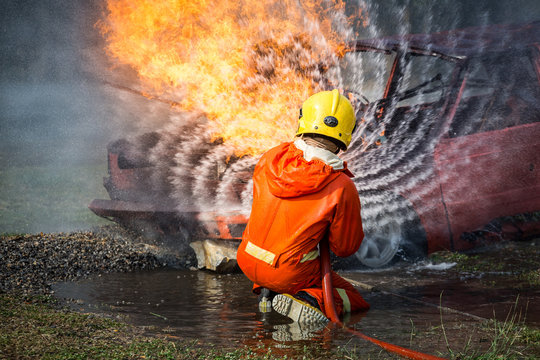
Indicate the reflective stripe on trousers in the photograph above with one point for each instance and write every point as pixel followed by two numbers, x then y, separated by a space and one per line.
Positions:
pixel 346 302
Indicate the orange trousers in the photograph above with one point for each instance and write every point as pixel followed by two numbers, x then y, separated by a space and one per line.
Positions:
pixel 346 297
pixel 290 275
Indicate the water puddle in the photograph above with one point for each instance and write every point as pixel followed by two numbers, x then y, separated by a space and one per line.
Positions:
pixel 477 295
pixel 191 304
pixel 221 310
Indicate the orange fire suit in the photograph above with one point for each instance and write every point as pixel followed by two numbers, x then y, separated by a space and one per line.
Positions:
pixel 295 204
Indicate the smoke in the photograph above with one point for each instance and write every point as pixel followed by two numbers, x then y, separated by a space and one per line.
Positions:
pixel 55 119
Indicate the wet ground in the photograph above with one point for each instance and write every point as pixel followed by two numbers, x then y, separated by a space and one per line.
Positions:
pixel 220 309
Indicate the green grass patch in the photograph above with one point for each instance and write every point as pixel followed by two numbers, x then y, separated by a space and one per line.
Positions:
pixel 50 198
pixel 468 263
pixel 531 277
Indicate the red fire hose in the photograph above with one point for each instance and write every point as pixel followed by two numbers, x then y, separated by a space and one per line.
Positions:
pixel 330 310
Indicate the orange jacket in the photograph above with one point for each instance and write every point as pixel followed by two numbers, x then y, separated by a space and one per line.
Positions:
pixel 295 204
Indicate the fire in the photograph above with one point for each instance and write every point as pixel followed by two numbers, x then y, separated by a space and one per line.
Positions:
pixel 245 64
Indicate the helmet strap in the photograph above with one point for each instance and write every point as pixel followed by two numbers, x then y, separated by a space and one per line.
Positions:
pixel 320 142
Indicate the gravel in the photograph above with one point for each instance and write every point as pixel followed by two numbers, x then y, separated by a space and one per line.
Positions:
pixel 30 263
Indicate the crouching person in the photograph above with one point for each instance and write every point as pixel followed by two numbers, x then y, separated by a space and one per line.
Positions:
pixel 302 192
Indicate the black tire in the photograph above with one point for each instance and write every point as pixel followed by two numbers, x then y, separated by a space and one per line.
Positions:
pixel 392 231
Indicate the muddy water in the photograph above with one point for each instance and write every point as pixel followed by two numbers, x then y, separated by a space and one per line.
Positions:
pixel 221 310
pixel 191 304
pixel 476 295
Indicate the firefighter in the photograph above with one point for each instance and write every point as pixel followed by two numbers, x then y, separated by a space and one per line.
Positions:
pixel 302 192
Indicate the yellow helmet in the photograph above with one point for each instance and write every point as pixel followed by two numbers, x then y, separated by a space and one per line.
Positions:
pixel 330 114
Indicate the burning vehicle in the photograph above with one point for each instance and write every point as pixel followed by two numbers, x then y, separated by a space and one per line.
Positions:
pixel 446 156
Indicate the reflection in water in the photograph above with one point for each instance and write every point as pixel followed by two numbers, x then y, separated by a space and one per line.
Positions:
pixel 193 304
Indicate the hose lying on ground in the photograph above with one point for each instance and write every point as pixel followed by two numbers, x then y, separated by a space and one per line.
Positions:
pixel 330 310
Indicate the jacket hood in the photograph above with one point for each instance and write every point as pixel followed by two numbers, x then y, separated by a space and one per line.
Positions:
pixel 289 174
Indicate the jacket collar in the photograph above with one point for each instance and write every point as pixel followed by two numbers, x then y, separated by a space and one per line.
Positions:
pixel 312 152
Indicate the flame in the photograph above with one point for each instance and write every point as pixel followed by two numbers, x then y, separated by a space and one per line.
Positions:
pixel 246 64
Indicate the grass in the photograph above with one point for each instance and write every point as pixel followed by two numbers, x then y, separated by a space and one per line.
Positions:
pixel 510 339
pixel 520 265
pixel 468 263
pixel 50 198
pixel 531 277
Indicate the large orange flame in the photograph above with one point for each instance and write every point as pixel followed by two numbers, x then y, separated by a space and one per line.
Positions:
pixel 246 64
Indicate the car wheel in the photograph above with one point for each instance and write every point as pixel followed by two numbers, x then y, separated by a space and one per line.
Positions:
pixel 392 232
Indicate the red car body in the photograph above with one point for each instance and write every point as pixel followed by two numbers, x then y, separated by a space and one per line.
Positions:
pixel 480 172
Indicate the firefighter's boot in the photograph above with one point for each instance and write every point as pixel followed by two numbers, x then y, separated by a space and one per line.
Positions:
pixel 298 309
pixel 265 300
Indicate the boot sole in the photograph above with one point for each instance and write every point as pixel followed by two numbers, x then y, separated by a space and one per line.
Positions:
pixel 298 310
